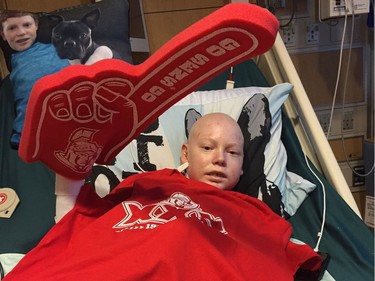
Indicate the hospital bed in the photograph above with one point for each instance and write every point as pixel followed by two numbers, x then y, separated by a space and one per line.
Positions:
pixel 327 219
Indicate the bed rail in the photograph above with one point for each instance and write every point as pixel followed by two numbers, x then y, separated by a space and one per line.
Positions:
pixel 278 67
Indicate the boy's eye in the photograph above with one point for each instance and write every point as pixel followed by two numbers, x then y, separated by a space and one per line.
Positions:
pixel 12 27
pixel 234 152
pixel 27 25
pixel 83 35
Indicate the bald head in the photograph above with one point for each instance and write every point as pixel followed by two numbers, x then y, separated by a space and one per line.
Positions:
pixel 216 119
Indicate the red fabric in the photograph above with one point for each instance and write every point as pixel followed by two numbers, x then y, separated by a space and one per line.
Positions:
pixel 87 114
pixel 216 235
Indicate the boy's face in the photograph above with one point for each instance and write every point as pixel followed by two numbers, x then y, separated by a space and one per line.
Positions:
pixel 19 32
pixel 215 152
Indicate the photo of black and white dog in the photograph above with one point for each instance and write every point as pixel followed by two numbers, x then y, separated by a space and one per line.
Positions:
pixel 73 39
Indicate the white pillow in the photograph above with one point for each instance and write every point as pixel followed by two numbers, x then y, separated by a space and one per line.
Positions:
pixel 172 126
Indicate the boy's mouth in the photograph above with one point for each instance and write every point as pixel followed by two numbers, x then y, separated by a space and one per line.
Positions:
pixel 23 40
pixel 216 175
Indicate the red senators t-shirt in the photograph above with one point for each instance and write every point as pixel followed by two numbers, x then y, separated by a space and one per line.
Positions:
pixel 163 226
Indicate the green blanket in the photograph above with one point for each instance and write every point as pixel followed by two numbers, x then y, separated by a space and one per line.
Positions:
pixel 34 184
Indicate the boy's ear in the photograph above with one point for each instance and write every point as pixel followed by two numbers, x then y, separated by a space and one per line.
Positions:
pixel 2 36
pixel 184 153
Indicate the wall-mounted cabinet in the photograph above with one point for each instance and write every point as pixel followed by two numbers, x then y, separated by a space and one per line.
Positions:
pixel 165 18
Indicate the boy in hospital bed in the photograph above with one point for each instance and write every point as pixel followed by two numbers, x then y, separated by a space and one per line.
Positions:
pixel 165 225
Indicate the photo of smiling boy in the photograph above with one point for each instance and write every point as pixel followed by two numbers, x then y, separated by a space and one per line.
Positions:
pixel 31 61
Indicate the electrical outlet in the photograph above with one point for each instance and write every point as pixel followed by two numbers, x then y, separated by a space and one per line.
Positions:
pixel 348 121
pixel 338 8
pixel 312 33
pixel 358 179
pixel 289 35
pixel 324 121
pixel 350 170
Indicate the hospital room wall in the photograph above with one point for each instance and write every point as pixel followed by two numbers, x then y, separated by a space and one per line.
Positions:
pixel 316 48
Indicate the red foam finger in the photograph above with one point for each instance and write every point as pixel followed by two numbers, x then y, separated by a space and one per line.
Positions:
pixel 86 114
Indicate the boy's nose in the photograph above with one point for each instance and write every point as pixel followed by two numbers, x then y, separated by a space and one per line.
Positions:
pixel 21 31
pixel 219 157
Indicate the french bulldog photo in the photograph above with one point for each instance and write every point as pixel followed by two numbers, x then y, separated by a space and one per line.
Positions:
pixel 73 40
